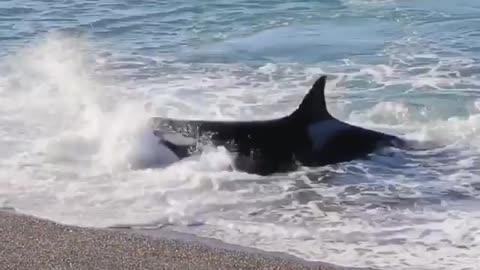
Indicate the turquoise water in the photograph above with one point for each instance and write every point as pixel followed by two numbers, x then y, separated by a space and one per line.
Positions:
pixel 76 76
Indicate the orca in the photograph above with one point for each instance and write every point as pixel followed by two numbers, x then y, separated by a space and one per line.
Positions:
pixel 310 137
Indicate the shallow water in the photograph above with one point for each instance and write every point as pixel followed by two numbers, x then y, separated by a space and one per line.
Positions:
pixel 76 76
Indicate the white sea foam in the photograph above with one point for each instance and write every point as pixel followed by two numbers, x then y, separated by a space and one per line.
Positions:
pixel 74 139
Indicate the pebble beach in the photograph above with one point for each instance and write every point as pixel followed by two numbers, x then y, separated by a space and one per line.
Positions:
pixel 32 243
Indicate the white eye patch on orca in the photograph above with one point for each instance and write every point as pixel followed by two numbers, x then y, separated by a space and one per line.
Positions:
pixel 321 132
pixel 174 138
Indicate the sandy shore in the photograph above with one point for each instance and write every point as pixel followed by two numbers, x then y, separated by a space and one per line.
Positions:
pixel 31 243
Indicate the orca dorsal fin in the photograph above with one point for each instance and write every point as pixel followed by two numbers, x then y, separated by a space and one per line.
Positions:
pixel 313 106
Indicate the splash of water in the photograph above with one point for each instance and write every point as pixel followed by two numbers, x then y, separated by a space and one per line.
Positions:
pixel 73 136
pixel 78 143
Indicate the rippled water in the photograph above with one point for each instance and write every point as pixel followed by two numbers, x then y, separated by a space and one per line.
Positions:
pixel 76 76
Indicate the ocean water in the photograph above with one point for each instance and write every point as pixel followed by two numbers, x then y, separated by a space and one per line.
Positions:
pixel 77 76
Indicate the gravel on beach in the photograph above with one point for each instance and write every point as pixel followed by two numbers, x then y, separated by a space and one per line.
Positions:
pixel 31 243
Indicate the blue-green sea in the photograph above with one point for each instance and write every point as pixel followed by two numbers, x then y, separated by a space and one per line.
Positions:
pixel 80 79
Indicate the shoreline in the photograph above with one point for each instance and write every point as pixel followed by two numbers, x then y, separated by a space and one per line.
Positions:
pixel 29 242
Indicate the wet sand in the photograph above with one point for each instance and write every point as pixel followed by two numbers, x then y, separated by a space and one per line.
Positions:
pixel 31 243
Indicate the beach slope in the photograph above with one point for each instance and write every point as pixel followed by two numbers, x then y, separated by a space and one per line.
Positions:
pixel 31 243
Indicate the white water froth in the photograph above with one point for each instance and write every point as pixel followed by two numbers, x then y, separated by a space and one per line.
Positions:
pixel 75 145
pixel 72 138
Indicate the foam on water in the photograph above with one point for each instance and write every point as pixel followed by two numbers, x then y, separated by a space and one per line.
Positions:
pixel 74 136
pixel 419 211
pixel 73 146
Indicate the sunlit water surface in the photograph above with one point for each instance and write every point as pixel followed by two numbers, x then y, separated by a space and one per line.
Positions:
pixel 76 76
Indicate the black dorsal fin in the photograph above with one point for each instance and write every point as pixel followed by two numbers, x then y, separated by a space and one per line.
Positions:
pixel 313 106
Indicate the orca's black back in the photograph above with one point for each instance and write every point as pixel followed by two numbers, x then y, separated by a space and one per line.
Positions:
pixel 262 147
pixel 269 146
